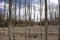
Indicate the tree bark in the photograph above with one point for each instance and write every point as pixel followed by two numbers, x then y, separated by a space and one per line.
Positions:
pixel 29 16
pixel 59 18
pixel 25 20
pixel 46 24
pixel 10 12
pixel 40 20
pixel 15 12
pixel 19 10
pixel 34 13
pixel 4 13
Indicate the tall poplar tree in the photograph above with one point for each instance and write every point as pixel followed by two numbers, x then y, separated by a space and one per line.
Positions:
pixel 10 23
pixel 46 23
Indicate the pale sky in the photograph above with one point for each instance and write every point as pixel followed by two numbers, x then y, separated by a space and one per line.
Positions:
pixel 54 1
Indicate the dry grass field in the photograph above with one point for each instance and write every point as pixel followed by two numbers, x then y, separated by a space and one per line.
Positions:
pixel 35 33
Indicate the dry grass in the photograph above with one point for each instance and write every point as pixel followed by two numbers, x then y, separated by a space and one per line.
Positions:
pixel 35 33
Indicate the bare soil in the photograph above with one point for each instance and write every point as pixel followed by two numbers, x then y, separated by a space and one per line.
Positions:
pixel 35 33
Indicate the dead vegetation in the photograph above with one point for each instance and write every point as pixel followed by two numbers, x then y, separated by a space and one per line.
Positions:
pixel 19 33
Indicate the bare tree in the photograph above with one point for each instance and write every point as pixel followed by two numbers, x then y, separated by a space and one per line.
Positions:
pixel 15 9
pixel 7 15
pixel 51 15
pixel 50 12
pixel 40 11
pixel 40 19
pixel 29 16
pixel 25 11
pixel 29 11
pixel 19 10
pixel 34 13
pixel 4 11
pixel 25 19
pixel 55 17
pixel 59 18
pixel 15 5
pixel 46 24
pixel 1 19
pixel 10 12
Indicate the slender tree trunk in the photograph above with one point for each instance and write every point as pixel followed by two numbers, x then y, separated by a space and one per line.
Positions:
pixel 51 16
pixel 7 18
pixel 40 20
pixel 29 16
pixel 4 12
pixel 55 17
pixel 15 10
pixel 46 24
pixel 29 11
pixel 59 21
pixel 50 12
pixel 59 18
pixel 25 20
pixel 14 18
pixel 10 12
pixel 7 14
pixel 19 10
pixel 34 13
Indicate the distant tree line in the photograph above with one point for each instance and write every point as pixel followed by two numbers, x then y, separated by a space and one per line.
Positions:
pixel 22 23
pixel 19 22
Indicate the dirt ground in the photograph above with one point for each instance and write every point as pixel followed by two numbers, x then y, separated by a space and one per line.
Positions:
pixel 34 34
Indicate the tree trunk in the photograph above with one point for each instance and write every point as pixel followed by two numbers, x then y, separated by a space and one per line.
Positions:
pixel 34 13
pixel 40 20
pixel 25 20
pixel 59 18
pixel 59 21
pixel 46 24
pixel 55 17
pixel 15 9
pixel 4 13
pixel 19 10
pixel 29 12
pixel 29 16
pixel 10 12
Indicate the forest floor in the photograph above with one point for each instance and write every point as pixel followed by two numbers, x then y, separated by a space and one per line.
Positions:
pixel 34 34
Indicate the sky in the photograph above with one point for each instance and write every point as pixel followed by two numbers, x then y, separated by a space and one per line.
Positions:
pixel 22 8
pixel 54 1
